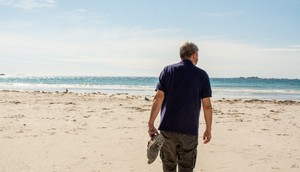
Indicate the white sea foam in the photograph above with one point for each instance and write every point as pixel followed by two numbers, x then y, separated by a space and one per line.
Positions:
pixel 221 87
pixel 79 88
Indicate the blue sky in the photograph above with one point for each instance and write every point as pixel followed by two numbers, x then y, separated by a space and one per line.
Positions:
pixel 138 38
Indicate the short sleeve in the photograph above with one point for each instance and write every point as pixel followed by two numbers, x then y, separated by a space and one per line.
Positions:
pixel 161 82
pixel 206 88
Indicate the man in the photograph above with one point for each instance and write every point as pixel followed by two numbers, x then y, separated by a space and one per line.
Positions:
pixel 179 93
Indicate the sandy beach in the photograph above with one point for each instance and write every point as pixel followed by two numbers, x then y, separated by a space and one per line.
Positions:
pixel 77 132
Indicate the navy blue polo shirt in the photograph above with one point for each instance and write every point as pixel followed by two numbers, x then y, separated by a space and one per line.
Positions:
pixel 184 85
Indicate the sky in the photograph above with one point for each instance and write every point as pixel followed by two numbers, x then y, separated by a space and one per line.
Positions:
pixel 236 38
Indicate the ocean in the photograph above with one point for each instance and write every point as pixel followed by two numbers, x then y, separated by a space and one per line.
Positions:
pixel 232 88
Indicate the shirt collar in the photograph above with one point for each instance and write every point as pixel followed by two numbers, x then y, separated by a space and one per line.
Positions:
pixel 187 62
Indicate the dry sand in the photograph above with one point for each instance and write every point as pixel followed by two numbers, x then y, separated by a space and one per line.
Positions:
pixel 72 132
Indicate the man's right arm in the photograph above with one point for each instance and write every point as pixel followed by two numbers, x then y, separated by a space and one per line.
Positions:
pixel 156 106
pixel 207 108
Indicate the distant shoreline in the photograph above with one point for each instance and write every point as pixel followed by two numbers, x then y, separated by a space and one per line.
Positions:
pixel 119 76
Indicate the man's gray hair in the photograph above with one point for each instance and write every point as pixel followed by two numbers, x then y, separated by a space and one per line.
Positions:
pixel 187 49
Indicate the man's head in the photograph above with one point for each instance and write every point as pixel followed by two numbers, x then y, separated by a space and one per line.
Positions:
pixel 189 51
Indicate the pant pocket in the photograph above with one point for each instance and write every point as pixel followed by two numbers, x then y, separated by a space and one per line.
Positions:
pixel 194 158
pixel 167 135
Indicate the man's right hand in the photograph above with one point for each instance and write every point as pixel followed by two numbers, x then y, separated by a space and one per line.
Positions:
pixel 206 136
pixel 152 131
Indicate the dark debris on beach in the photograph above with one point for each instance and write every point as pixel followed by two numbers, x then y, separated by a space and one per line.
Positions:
pixel 281 102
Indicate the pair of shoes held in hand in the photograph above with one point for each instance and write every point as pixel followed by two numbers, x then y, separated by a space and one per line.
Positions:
pixel 154 146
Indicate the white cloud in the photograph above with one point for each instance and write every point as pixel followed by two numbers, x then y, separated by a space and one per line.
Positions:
pixel 294 48
pixel 139 51
pixel 123 49
pixel 224 58
pixel 79 15
pixel 28 4
pixel 222 14
pixel 81 10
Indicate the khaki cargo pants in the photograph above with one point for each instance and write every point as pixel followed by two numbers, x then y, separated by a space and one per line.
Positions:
pixel 178 149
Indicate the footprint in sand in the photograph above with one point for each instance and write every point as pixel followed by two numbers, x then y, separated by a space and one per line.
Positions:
pixel 87 116
pixel 130 119
pixel 15 102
